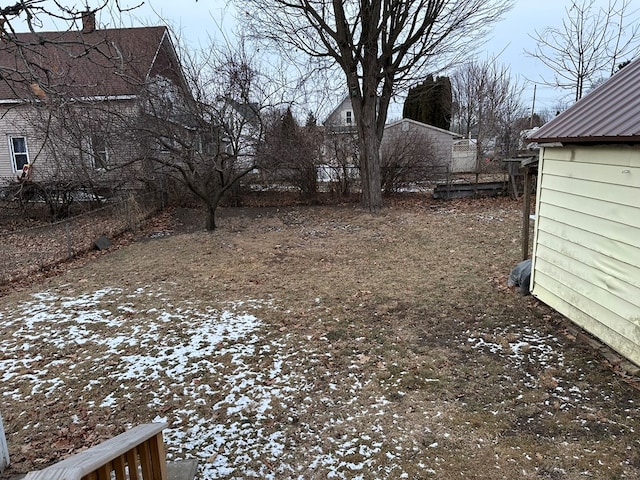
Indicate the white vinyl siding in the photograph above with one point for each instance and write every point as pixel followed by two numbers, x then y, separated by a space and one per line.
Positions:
pixel 441 140
pixel 586 260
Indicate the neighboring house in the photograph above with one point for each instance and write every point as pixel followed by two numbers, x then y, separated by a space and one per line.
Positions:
pixel 586 252
pixel 341 119
pixel 341 140
pixel 340 149
pixel 77 86
pixel 439 141
pixel 242 129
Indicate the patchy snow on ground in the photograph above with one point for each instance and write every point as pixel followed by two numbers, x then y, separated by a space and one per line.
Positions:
pixel 229 392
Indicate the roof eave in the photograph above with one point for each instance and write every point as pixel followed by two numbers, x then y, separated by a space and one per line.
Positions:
pixel 586 140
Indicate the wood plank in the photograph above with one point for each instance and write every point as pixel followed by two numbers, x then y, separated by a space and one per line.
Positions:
pixel 145 461
pixel 95 457
pixel 133 464
pixel 158 457
pixel 119 468
pixel 104 472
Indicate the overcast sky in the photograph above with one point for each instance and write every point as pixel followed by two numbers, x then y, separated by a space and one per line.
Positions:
pixel 195 22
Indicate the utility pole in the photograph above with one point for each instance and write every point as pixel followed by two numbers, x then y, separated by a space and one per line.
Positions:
pixel 533 107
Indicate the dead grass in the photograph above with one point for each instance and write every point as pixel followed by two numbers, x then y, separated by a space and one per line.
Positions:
pixel 398 323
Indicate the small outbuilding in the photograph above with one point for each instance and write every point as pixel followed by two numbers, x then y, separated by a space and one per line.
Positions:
pixel 586 246
pixel 440 141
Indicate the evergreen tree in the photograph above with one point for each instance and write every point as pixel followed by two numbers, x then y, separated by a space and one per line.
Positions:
pixel 430 102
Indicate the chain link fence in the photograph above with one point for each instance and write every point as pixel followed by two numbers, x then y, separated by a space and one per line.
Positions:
pixel 26 251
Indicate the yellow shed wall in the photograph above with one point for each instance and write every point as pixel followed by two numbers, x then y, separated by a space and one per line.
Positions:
pixel 586 257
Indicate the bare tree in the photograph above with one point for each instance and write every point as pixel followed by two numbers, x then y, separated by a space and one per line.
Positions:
pixel 340 168
pixel 380 46
pixel 207 138
pixel 487 102
pixel 291 153
pixel 408 158
pixel 589 44
pixel 85 144
pixel 32 66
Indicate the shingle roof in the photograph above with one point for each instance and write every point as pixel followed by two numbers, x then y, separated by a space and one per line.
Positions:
pixel 109 62
pixel 611 113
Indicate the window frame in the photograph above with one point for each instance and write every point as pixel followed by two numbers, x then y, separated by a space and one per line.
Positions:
pixel 348 117
pixel 99 156
pixel 13 153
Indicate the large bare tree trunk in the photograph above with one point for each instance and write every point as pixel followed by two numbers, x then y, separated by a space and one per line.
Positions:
pixel 365 108
pixel 210 222
pixel 370 170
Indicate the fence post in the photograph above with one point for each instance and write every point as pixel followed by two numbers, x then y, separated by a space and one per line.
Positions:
pixel 4 449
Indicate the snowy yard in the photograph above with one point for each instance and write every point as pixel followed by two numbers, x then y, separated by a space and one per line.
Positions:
pixel 332 370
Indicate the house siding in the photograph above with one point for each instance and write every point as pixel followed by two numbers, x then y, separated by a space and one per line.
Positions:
pixel 15 121
pixel 441 140
pixel 23 120
pixel 586 259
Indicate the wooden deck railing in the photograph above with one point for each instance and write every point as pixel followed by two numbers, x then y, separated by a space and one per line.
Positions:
pixel 137 454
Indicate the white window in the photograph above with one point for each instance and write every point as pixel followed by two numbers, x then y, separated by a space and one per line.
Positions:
pixel 19 152
pixel 99 151
pixel 349 118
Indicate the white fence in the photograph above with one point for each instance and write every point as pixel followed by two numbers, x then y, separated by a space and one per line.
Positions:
pixel 464 156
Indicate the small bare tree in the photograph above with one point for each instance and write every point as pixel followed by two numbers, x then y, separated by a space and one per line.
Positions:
pixel 408 158
pixel 591 42
pixel 487 101
pixel 291 153
pixel 341 161
pixel 207 138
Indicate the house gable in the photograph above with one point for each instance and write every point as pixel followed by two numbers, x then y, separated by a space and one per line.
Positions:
pixel 341 116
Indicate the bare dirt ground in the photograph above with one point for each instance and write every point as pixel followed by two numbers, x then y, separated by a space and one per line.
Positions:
pixel 377 346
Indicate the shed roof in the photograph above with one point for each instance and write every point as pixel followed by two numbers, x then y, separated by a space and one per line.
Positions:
pixel 100 63
pixel 609 114
pixel 422 125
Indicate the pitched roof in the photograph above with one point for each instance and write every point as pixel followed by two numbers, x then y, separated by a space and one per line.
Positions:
pixel 609 114
pixel 80 64
pixel 423 125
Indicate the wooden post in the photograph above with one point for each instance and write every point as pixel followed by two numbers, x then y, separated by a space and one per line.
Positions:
pixel 526 212
pixel 68 235
pixel 4 449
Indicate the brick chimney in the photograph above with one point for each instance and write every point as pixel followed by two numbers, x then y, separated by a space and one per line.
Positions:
pixel 88 21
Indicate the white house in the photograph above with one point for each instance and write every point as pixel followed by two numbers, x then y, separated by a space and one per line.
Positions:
pixel 586 251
